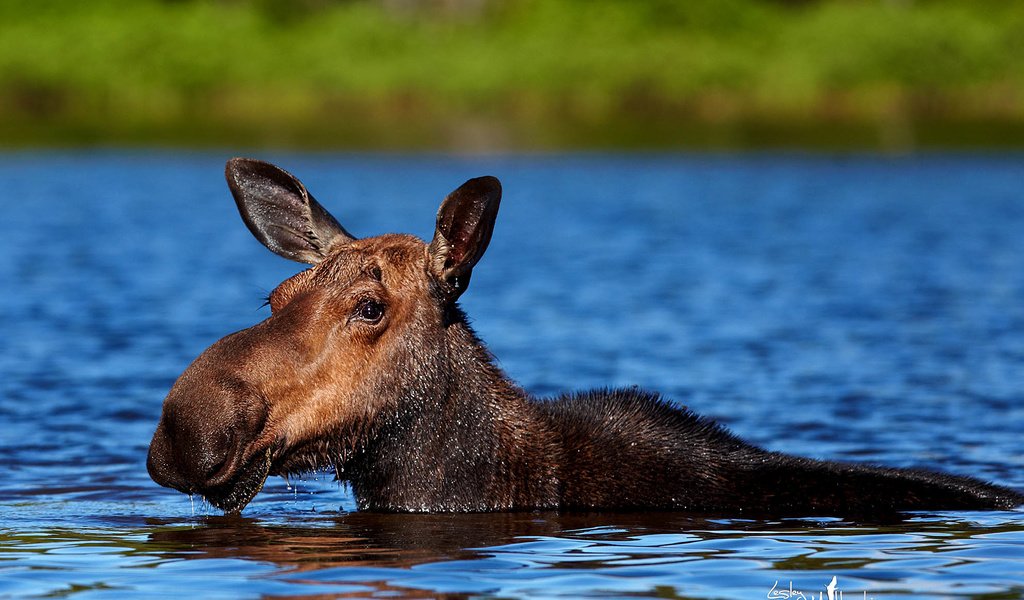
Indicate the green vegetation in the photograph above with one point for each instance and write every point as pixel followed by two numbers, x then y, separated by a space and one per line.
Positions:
pixel 471 74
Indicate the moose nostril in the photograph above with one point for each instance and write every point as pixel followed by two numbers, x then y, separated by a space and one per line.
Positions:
pixel 232 460
pixel 221 458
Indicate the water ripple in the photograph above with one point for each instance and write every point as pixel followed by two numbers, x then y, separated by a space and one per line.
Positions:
pixel 856 308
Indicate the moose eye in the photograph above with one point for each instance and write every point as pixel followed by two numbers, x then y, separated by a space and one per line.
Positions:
pixel 370 311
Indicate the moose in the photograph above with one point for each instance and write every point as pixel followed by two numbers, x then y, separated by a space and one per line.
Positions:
pixel 368 367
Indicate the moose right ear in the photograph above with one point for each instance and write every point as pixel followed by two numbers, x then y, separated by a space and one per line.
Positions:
pixel 464 225
pixel 281 213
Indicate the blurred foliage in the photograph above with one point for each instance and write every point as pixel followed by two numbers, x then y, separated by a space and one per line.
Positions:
pixel 531 73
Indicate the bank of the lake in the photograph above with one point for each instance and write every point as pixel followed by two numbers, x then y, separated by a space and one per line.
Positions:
pixel 520 75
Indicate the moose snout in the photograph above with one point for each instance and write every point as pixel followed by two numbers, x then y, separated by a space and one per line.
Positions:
pixel 204 439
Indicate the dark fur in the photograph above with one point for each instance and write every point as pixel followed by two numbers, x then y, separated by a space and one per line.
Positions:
pixel 473 441
pixel 423 420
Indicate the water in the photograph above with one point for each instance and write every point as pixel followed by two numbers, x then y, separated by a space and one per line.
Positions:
pixel 850 308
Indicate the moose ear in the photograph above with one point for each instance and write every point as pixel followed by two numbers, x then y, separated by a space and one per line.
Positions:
pixel 281 213
pixel 464 225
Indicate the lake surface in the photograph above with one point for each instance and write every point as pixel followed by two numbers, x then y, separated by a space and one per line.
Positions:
pixel 857 308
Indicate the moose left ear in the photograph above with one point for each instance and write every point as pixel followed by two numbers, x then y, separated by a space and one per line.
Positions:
pixel 464 225
pixel 281 213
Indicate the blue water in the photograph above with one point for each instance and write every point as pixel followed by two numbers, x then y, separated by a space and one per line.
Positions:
pixel 856 308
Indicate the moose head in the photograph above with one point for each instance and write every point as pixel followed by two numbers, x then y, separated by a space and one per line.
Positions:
pixel 350 344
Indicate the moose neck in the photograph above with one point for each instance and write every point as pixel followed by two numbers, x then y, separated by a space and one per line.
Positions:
pixel 463 436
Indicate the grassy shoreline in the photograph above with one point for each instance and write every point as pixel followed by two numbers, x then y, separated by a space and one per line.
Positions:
pixel 470 135
pixel 522 74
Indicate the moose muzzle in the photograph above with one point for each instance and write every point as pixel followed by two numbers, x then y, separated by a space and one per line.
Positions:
pixel 207 441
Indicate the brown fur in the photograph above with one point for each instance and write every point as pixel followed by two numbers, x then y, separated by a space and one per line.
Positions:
pixel 367 366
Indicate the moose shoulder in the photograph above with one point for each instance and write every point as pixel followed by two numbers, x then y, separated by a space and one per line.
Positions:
pixel 367 366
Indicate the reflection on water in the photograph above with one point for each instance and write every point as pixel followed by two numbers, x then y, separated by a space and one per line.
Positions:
pixel 855 308
pixel 525 554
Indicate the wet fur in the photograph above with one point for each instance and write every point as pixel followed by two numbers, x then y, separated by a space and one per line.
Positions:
pixel 409 406
pixel 473 441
